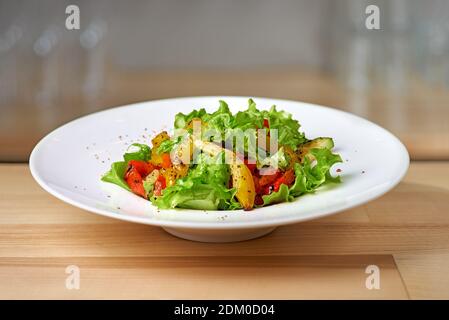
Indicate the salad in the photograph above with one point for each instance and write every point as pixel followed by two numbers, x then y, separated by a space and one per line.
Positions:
pixel 226 161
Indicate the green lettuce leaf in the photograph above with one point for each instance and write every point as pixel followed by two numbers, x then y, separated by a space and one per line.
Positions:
pixel 250 118
pixel 168 145
pixel 116 174
pixel 282 195
pixel 137 151
pixel 182 120
pixel 287 127
pixel 223 123
pixel 219 120
pixel 310 176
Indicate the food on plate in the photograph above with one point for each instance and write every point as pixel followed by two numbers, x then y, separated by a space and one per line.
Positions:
pixel 226 161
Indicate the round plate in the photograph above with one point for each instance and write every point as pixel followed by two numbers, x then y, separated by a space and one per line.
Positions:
pixel 69 162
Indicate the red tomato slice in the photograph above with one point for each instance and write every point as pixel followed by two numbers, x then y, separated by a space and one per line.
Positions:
pixel 142 167
pixel 134 181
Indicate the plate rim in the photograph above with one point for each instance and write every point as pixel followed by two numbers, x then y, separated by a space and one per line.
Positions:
pixel 221 225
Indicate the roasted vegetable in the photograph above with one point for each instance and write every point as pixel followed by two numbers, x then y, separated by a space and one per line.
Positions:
pixel 287 178
pixel 134 181
pixel 181 170
pixel 197 121
pixel 157 158
pixel 166 161
pixel 170 175
pixel 242 180
pixel 161 137
pixel 292 156
pixel 159 185
pixel 144 168
pixel 318 143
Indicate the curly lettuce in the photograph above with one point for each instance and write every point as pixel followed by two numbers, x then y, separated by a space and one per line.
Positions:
pixel 226 124
pixel 204 188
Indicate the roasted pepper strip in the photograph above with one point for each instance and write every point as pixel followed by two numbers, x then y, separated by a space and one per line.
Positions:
pixel 269 178
pixel 287 178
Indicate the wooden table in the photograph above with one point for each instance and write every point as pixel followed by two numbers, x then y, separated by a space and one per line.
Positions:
pixel 405 233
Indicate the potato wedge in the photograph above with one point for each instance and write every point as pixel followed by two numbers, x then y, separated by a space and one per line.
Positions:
pixel 242 180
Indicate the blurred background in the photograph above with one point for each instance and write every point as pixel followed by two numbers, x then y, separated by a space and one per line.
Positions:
pixel 314 51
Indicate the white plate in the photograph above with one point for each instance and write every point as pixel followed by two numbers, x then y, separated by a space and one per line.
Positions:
pixel 69 162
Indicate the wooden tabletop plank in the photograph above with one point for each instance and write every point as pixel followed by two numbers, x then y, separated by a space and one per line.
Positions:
pixel 138 240
pixel 426 273
pixel 323 277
